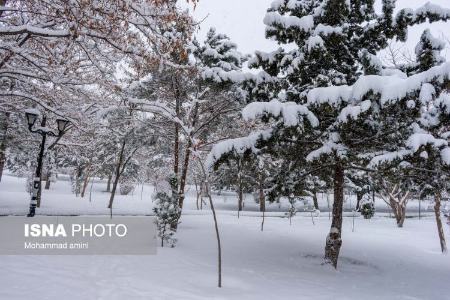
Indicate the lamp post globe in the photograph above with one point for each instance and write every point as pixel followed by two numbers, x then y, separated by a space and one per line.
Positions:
pixel 62 124
pixel 31 118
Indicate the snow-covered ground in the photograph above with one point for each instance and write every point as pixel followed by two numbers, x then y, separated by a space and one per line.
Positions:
pixel 378 260
pixel 59 200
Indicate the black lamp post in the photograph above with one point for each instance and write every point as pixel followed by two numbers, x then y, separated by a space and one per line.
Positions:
pixel 32 116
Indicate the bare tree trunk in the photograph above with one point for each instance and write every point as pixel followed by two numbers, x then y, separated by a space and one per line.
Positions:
pixel 108 184
pixel 47 180
pixel 437 212
pixel 240 197
pixel 184 171
pixel 216 226
pixel 116 176
pixel 399 212
pixel 262 203
pixel 262 199
pixel 78 175
pixel 358 201
pixel 197 194
pixel 397 200
pixel 90 190
pixel 315 201
pixel 402 216
pixel 176 147
pixel 334 241
pixel 85 184
pixel 4 130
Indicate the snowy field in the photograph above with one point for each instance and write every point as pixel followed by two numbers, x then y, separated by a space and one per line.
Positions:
pixel 378 260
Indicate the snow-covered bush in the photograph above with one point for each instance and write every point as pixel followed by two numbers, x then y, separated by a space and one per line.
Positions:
pixel 367 210
pixel 126 188
pixel 167 212
pixel 367 207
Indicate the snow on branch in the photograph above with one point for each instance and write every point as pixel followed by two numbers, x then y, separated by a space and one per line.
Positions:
pixel 390 88
pixel 332 145
pixel 431 11
pixel 274 18
pixel 353 111
pixel 219 75
pixel 34 30
pixel 417 140
pixel 389 157
pixel 238 146
pixel 414 144
pixel 292 113
pixel 41 103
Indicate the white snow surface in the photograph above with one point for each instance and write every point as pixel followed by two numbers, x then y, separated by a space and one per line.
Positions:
pixel 377 261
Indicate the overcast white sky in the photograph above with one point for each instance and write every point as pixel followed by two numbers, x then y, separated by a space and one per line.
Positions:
pixel 241 20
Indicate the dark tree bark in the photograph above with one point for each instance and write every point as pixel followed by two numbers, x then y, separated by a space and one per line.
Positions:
pixel 197 193
pixel 240 188
pixel 358 200
pixel 116 176
pixel 48 181
pixel 85 184
pixel 184 171
pixel 262 202
pixel 316 202
pixel 334 241
pixel 108 184
pixel 176 147
pixel 437 212
pixel 4 130
pixel 262 199
pixel 400 215
pixel 78 175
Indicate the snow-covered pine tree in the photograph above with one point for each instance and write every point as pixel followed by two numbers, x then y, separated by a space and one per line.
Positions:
pixel 167 212
pixel 425 152
pixel 320 110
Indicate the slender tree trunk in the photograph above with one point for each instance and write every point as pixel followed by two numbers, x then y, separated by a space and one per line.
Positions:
pixel 47 180
pixel 197 194
pixel 85 184
pixel 176 147
pixel 78 175
pixel 108 184
pixel 334 241
pixel 216 227
pixel 4 130
pixel 262 203
pixel 315 201
pixel 184 171
pixel 240 197
pixel 90 190
pixel 262 199
pixel 437 212
pixel 116 176
pixel 358 201
pixel 402 216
